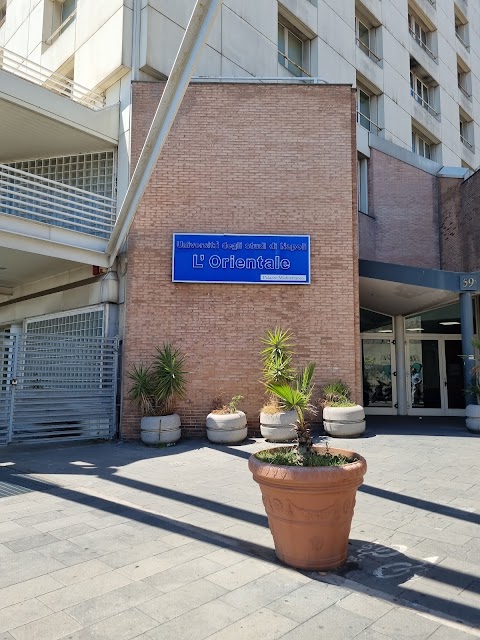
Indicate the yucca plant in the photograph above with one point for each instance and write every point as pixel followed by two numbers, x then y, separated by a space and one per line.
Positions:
pixel 276 357
pixel 143 390
pixel 156 388
pixel 169 374
pixel 336 394
pixel 296 395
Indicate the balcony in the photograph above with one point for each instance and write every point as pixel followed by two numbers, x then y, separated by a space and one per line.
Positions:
pixel 52 218
pixel 33 72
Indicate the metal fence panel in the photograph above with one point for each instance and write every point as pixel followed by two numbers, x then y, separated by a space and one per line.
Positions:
pixel 7 358
pixel 65 388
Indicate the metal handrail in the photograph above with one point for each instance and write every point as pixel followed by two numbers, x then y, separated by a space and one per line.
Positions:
pixel 294 64
pixel 367 51
pixel 422 44
pixel 418 98
pixel 462 40
pixel 57 32
pixel 468 144
pixel 371 122
pixel 32 197
pixel 33 72
pixel 465 92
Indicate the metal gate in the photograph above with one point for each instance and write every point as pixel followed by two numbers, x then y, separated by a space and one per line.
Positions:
pixel 56 387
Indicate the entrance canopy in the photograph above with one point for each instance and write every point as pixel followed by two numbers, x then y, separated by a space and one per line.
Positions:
pixel 399 290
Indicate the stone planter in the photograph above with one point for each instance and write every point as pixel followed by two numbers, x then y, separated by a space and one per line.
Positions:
pixel 227 428
pixel 344 422
pixel 161 429
pixel 277 427
pixel 310 509
pixel 472 417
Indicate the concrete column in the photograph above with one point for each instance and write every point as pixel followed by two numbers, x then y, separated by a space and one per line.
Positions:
pixel 400 364
pixel 466 319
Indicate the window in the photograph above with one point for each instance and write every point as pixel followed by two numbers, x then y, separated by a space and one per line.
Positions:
pixel 421 146
pixel 461 28
pixel 464 79
pixel 421 34
pixel 68 7
pixel 466 131
pixel 64 13
pixel 363 109
pixel 3 11
pixel 422 92
pixel 362 184
pixel 293 49
pixel 366 38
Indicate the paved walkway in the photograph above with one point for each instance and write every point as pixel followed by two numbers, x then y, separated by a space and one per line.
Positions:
pixel 119 541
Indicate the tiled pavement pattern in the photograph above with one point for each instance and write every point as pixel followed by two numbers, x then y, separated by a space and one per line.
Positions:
pixel 119 541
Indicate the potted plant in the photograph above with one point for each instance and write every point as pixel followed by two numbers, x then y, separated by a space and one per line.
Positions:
pixel 155 390
pixel 472 411
pixel 308 491
pixel 226 424
pixel 275 423
pixel 342 418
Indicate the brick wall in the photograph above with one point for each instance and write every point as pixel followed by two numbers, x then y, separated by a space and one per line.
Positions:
pixel 403 205
pixel 459 224
pixel 246 159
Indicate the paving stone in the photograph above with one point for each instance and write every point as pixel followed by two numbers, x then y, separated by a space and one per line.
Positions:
pixel 333 622
pixel 178 602
pixel 110 604
pixel 72 531
pixel 25 565
pixel 199 623
pixel 22 613
pixel 27 589
pixel 176 577
pixel 366 606
pixel 30 542
pixel 263 624
pixel 237 575
pixel 75 593
pixel 308 600
pixel 130 555
pixel 450 633
pixel 403 624
pixel 80 572
pixel 52 627
pixel 124 626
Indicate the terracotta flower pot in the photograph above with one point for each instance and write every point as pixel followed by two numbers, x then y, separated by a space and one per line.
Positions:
pixel 310 509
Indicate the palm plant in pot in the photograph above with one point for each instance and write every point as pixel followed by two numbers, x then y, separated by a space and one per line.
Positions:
pixel 226 424
pixel 308 491
pixel 472 411
pixel 155 390
pixel 342 418
pixel 277 353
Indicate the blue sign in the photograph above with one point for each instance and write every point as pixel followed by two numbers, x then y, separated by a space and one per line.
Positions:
pixel 240 259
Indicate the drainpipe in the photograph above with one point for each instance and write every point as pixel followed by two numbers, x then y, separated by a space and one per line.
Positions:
pixel 197 31
pixel 400 365
pixel 466 320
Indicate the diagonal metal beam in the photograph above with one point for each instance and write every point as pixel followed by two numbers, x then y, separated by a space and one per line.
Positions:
pixel 197 31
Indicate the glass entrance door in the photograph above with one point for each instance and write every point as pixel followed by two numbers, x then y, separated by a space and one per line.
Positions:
pixel 379 389
pixel 435 376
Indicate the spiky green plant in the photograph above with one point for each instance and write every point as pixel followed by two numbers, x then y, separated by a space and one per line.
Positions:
pixel 276 357
pixel 170 377
pixel 297 396
pixel 336 394
pixel 143 392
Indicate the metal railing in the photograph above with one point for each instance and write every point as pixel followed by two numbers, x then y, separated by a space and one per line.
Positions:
pixel 468 144
pixel 459 37
pixel 420 42
pixel 287 61
pixel 465 92
pixel 367 51
pixel 60 29
pixel 33 197
pixel 362 120
pixel 33 72
pixel 428 107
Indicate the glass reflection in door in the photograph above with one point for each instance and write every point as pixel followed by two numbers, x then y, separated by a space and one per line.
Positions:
pixel 454 373
pixel 377 373
pixel 425 374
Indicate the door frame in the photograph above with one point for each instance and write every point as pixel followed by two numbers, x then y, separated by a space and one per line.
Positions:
pixel 383 411
pixel 443 410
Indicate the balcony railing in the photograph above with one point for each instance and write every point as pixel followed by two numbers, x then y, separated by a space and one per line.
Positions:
pixel 367 124
pixel 419 41
pixel 367 51
pixel 465 92
pixel 33 197
pixel 459 37
pixel 428 107
pixel 287 61
pixel 468 144
pixel 33 72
